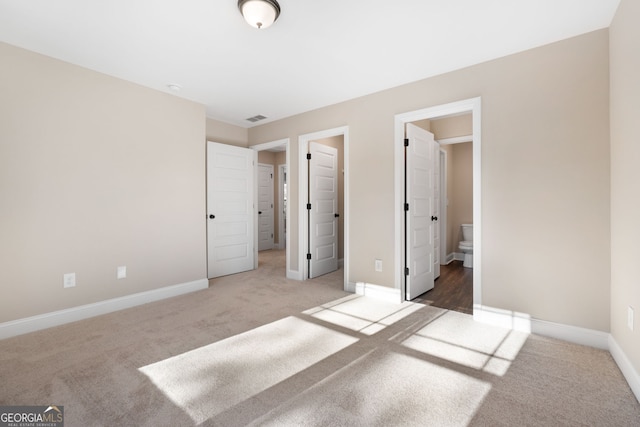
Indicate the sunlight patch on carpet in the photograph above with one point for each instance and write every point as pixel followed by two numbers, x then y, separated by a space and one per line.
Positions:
pixel 385 388
pixel 458 338
pixel 209 380
pixel 365 315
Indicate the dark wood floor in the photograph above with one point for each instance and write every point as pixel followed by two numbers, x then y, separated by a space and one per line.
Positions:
pixel 453 290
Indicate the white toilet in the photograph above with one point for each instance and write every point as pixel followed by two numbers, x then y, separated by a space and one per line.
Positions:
pixel 466 245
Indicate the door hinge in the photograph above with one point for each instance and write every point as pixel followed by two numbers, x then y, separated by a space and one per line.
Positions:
pixel 308 206
pixel 308 256
pixel 406 142
pixel 406 271
pixel 271 176
pixel 308 156
pixel 406 207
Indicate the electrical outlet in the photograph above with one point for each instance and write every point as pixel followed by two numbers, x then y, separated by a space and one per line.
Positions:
pixel 630 318
pixel 69 280
pixel 122 272
pixel 378 265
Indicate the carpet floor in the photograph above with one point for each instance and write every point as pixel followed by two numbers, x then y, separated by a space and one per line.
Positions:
pixel 258 349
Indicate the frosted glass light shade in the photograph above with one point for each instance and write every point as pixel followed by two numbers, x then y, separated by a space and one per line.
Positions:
pixel 259 13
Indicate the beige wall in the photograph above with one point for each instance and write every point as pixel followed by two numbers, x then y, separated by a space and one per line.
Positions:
pixel 545 179
pixel 460 192
pixel 95 173
pixel 625 176
pixel 226 133
pixel 451 127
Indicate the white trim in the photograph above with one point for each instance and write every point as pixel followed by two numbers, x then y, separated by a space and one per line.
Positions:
pixel 626 367
pixel 61 317
pixel 449 258
pixel 303 183
pixel 456 140
pixel 525 323
pixel 458 256
pixel 383 293
pixel 474 105
pixel 574 334
pixel 291 274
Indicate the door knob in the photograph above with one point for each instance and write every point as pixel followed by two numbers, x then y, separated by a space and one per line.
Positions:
pixel 259 212
pixel 336 215
pixel 434 218
pixel 212 216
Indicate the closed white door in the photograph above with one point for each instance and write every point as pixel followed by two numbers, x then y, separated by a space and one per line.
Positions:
pixel 419 241
pixel 323 219
pixel 230 209
pixel 265 207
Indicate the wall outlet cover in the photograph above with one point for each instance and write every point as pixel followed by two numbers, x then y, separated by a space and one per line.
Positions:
pixel 122 272
pixel 69 280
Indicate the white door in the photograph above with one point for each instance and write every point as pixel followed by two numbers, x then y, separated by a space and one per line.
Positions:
pixel 265 207
pixel 230 209
pixel 323 220
pixel 435 213
pixel 419 155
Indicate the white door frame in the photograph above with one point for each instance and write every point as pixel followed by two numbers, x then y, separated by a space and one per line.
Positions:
pixel 268 146
pixel 303 185
pixel 472 105
pixel 282 216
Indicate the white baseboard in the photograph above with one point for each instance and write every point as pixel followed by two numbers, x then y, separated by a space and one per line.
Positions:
pixel 574 334
pixel 626 367
pixel 294 275
pixel 379 292
pixel 458 256
pixel 525 323
pixel 56 318
pixel 350 287
pixel 449 258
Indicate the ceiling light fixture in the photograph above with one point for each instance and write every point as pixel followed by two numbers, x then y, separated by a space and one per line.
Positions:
pixel 259 13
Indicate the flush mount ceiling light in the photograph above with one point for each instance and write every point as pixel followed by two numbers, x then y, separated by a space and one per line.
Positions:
pixel 259 13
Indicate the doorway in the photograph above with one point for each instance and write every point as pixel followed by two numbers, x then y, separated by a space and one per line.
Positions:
pixel 276 154
pixel 304 142
pixel 474 107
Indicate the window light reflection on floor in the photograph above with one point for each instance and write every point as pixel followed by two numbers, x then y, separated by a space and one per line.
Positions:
pixel 458 338
pixel 209 380
pixel 365 315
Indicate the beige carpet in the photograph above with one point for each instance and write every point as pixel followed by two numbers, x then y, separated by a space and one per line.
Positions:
pixel 258 349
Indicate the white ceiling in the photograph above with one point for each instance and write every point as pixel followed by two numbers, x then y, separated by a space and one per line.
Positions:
pixel 318 53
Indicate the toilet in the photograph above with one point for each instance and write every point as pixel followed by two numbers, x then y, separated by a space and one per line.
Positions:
pixel 466 245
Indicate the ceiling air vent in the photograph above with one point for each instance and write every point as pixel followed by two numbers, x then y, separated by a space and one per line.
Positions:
pixel 256 118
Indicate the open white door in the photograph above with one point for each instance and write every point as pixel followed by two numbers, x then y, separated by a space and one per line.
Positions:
pixel 265 207
pixel 420 222
pixel 323 198
pixel 230 209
